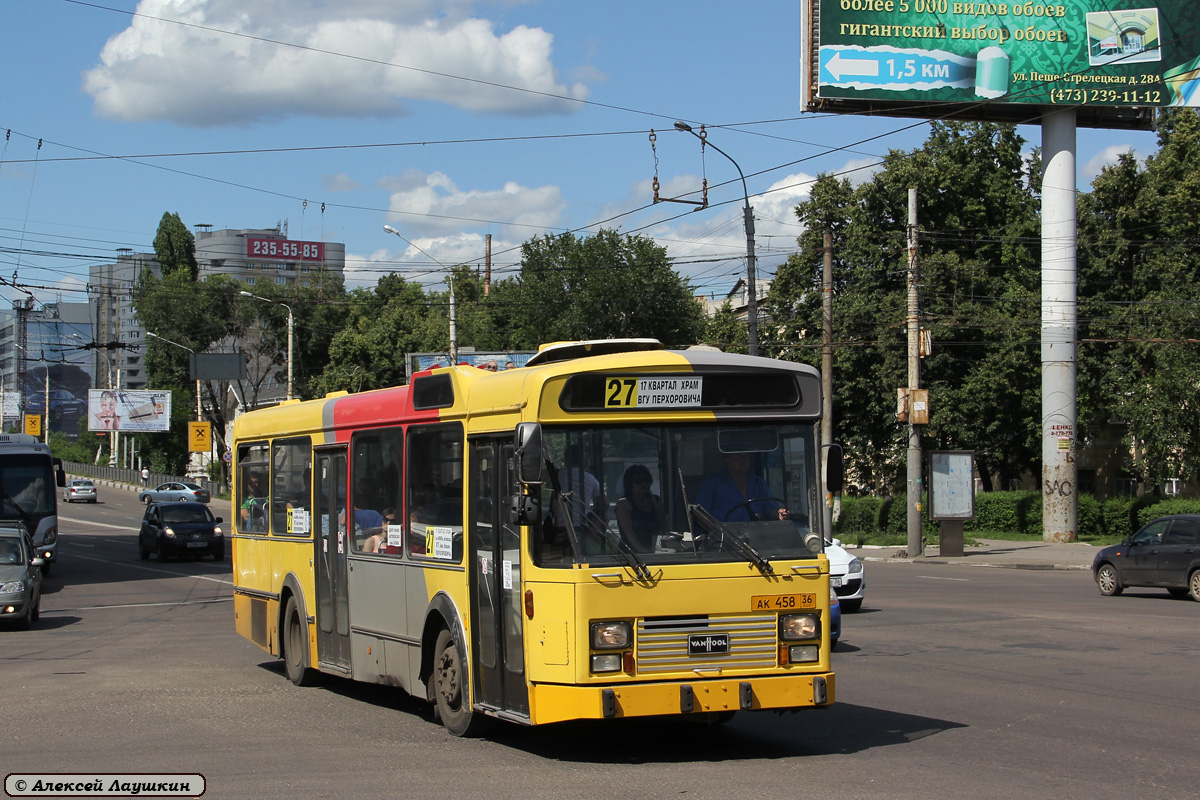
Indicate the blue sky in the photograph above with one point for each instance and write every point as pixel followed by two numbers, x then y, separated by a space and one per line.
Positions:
pixel 448 120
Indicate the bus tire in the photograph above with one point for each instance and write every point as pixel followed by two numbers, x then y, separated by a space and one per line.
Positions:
pixel 295 637
pixel 450 689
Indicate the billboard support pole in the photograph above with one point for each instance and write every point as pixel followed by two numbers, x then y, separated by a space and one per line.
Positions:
pixel 1060 512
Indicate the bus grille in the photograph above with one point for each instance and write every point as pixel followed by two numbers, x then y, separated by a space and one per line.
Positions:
pixel 662 643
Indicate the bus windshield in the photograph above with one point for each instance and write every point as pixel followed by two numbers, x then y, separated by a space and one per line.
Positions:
pixel 678 493
pixel 26 488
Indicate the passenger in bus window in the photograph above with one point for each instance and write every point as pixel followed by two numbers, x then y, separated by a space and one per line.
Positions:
pixel 251 515
pixel 378 542
pixel 640 513
pixel 726 494
pixel 582 489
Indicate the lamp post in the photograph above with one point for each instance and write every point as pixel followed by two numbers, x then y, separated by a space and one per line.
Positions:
pixel 748 214
pixel 291 334
pixel 453 322
pixel 199 413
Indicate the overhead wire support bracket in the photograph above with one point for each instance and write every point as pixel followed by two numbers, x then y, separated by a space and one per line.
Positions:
pixel 700 204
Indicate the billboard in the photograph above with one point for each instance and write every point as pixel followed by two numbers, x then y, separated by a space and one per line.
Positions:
pixel 1112 60
pixel 124 410
pixel 502 359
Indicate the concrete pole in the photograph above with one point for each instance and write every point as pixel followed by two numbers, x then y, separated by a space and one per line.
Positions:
pixel 453 327
pixel 827 374
pixel 1060 509
pixel 915 545
pixel 291 339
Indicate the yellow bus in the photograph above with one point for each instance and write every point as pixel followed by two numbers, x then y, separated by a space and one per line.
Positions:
pixel 613 530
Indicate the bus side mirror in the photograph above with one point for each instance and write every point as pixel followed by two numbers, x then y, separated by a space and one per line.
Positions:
pixel 60 477
pixel 529 457
pixel 835 470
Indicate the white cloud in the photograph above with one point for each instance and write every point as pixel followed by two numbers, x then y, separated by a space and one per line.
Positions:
pixel 414 265
pixel 431 204
pixel 860 170
pixel 1106 157
pixel 197 74
pixel 340 182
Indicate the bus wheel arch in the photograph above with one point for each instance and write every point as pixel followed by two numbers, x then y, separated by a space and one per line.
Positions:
pixel 445 670
pixel 293 635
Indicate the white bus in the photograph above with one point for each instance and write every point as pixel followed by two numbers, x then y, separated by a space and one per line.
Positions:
pixel 29 476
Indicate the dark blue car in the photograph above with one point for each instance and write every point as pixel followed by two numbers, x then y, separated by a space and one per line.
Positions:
pixel 180 529
pixel 1164 554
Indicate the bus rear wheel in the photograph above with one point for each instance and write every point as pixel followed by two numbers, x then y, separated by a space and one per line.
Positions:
pixel 295 642
pixel 450 690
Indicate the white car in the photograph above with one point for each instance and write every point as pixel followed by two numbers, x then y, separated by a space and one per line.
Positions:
pixel 846 576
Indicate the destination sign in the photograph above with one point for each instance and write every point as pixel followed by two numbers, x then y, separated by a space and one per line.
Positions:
pixel 620 393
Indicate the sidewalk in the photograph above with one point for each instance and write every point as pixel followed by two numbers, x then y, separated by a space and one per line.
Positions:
pixel 992 553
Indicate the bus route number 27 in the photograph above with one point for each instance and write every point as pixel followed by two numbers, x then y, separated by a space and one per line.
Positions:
pixel 621 393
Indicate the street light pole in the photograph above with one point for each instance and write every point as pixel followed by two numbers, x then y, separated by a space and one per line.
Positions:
pixel 199 412
pixel 748 220
pixel 450 272
pixel 291 335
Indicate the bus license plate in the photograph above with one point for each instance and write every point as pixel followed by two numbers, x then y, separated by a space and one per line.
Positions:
pixel 782 602
pixel 706 644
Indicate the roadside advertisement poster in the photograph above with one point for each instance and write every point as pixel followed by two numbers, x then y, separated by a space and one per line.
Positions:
pixel 1117 53
pixel 128 410
pixel 952 485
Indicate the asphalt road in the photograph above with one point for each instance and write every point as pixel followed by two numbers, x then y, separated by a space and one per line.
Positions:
pixel 952 682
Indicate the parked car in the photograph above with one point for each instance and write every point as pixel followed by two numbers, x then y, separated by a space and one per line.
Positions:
pixel 20 577
pixel 1165 553
pixel 180 529
pixel 835 618
pixel 846 576
pixel 166 492
pixel 79 489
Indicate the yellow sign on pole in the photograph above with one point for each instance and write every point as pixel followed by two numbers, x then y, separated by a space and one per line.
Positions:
pixel 33 424
pixel 199 437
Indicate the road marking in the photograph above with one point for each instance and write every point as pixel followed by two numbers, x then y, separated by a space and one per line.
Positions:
pixel 61 518
pixel 159 571
pixel 137 605
pixel 932 578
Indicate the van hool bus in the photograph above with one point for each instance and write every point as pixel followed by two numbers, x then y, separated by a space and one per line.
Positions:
pixel 613 530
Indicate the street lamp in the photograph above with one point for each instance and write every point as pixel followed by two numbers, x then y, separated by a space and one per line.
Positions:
pixel 748 213
pixel 199 413
pixel 453 322
pixel 291 333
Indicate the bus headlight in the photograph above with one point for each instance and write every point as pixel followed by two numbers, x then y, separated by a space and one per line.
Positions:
pixel 611 635
pixel 169 531
pixel 794 627
pixel 51 535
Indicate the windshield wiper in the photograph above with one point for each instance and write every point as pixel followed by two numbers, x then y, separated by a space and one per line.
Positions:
pixel 26 517
pixel 621 546
pixel 737 543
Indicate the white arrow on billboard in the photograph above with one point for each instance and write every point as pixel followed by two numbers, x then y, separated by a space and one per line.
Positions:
pixel 863 67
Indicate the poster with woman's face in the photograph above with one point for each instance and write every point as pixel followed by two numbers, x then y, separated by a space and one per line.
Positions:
pixel 126 410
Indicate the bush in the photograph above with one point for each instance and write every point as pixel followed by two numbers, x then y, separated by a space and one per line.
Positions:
pixel 1091 518
pixel 1163 508
pixel 859 515
pixel 1011 512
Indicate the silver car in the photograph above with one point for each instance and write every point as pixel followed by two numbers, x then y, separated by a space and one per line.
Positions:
pixel 20 578
pixel 175 490
pixel 79 489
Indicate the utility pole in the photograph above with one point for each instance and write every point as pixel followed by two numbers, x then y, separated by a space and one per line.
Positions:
pixel 487 275
pixel 827 373
pixel 914 383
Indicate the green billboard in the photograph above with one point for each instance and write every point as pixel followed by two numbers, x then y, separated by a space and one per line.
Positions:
pixel 1111 59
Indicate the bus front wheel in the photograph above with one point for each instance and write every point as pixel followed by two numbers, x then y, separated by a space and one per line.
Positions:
pixel 295 640
pixel 450 690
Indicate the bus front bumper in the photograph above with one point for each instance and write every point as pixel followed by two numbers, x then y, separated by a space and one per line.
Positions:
pixel 555 703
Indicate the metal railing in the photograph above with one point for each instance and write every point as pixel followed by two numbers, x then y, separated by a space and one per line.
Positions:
pixel 134 477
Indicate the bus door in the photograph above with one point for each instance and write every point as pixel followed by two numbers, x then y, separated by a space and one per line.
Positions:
pixel 496 580
pixel 332 544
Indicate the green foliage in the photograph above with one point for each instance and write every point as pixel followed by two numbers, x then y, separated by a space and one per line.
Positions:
pixel 175 248
pixel 1164 508
pixel 1015 512
pixel 858 515
pixel 82 451
pixel 598 287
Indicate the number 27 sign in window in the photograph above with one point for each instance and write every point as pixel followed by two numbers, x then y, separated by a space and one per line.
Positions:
pixel 285 250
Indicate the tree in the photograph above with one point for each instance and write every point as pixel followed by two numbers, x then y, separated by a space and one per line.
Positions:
pixel 175 247
pixel 978 283
pixel 598 287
